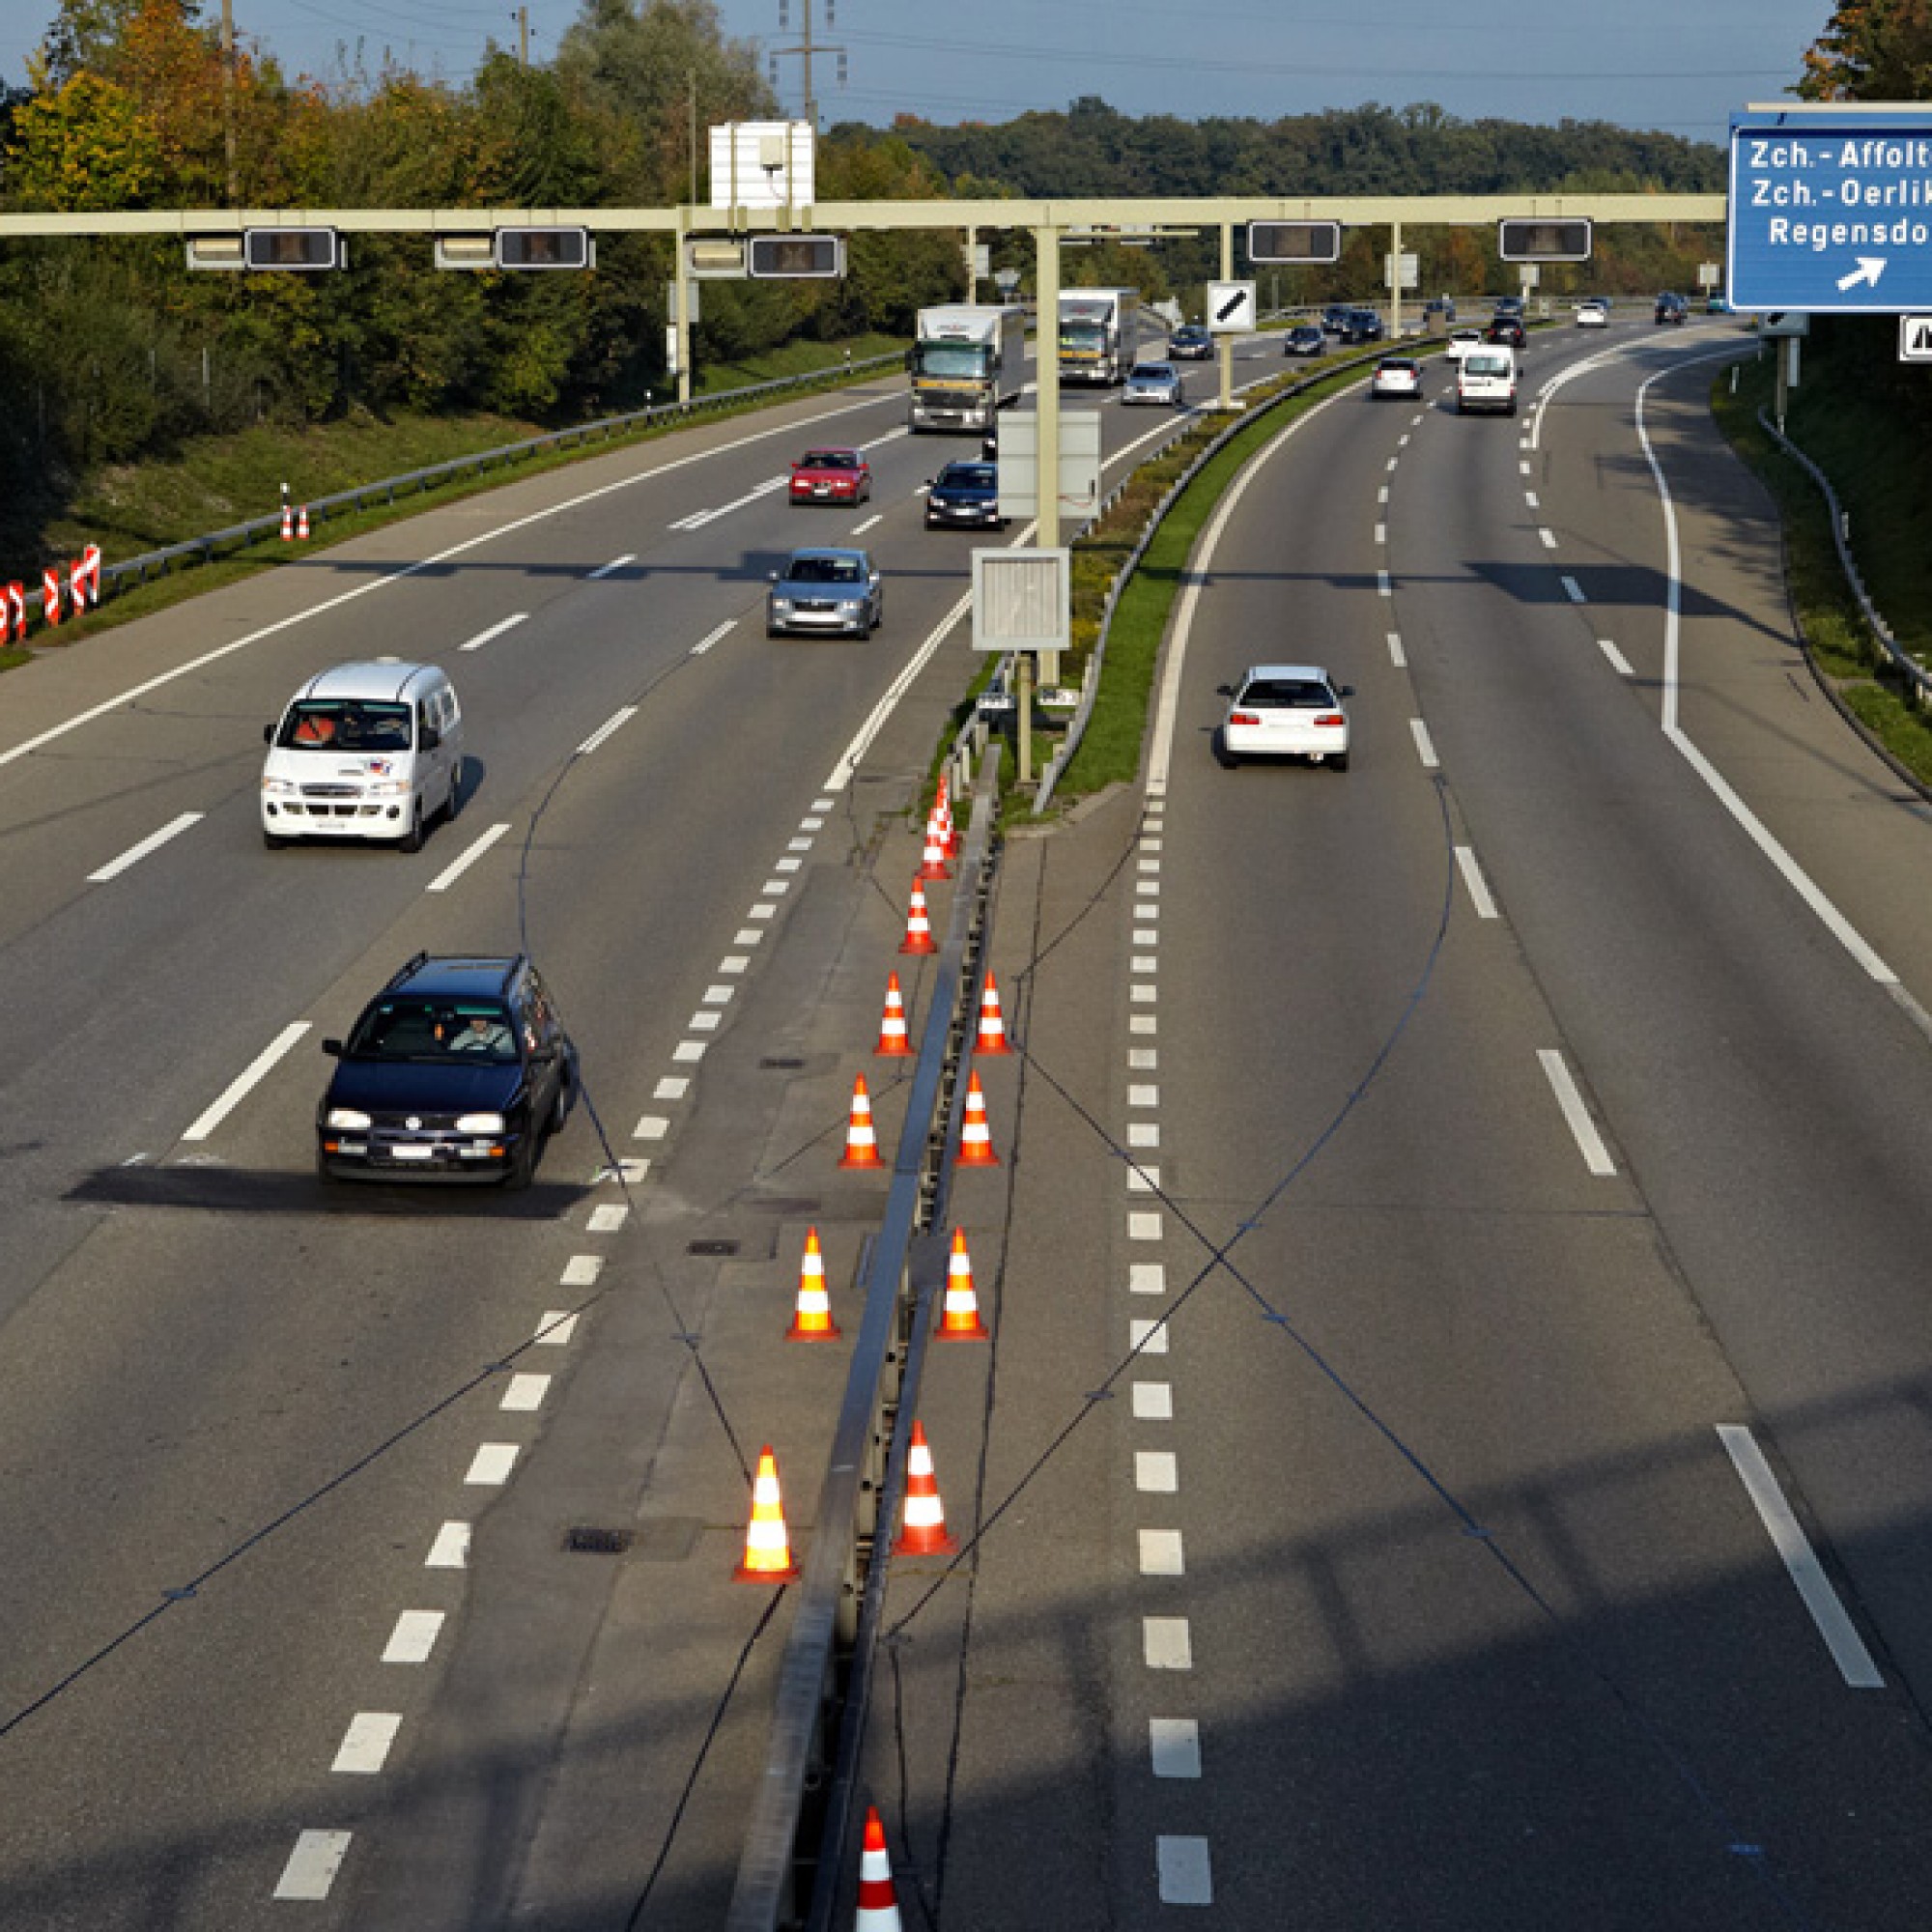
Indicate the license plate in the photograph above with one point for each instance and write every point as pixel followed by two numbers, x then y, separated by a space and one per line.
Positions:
pixel 412 1153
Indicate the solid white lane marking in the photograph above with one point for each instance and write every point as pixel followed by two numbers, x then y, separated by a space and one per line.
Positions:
pixel 612 725
pixel 580 1271
pixel 1143 1226
pixel 673 1086
pixel 490 1467
pixel 860 529
pixel 612 568
pixel 413 1637
pixel 712 636
pixel 451 1549
pixel 1572 590
pixel 1147 1277
pixel 1186 1875
pixel 1174 1746
pixel 1801 1561
pixel 555 1327
pixel 607 1218
pixel 1478 886
pixel 1156 1472
pixel 365 1745
pixel 1161 1553
pixel 526 1393
pixel 1166 1644
pixel 1563 1084
pixel 651 1127
pixel 1153 1402
pixel 153 842
pixel 1148 1338
pixel 1618 662
pixel 1396 657
pixel 451 873
pixel 495 631
pixel 313 1865
pixel 1425 747
pixel 250 1077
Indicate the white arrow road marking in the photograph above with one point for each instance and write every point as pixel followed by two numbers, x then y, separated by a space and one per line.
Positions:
pixel 1870 268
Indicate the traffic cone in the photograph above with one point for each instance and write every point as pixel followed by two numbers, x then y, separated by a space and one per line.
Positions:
pixel 812 1318
pixel 933 862
pixel 767 1546
pixel 992 1035
pixel 976 1137
pixel 287 524
pixel 879 1902
pixel 919 928
pixel 922 1518
pixel 893 1042
pixel 861 1144
pixel 301 524
pixel 943 807
pixel 959 1315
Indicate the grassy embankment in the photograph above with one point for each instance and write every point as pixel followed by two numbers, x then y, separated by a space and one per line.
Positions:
pixel 1878 469
pixel 219 481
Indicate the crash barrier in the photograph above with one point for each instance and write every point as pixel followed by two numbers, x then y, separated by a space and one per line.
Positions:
pixel 134 571
pixel 1841 534
pixel 804 1811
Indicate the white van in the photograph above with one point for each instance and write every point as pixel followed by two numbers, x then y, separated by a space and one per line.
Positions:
pixel 1486 379
pixel 365 751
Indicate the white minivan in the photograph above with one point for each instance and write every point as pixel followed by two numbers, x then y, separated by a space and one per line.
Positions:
pixel 1486 379
pixel 365 751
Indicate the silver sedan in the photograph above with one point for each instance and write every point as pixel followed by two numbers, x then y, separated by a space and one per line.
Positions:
pixel 1154 382
pixel 837 590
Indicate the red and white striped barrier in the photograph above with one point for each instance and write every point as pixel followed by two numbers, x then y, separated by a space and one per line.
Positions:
pixel 50 594
pixel 13 614
pixel 84 579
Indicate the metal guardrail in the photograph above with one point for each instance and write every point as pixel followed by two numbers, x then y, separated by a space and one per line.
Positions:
pixel 1841 534
pixel 134 571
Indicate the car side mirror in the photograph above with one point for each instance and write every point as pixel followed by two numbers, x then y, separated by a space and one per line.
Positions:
pixel 333 1048
pixel 1224 691
pixel 268 734
pixel 874 579
pixel 1345 691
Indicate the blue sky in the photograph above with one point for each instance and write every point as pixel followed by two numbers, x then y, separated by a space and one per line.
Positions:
pixel 1677 64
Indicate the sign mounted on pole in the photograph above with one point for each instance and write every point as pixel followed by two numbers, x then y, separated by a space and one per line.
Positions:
pixel 1831 209
pixel 1521 238
pixel 794 257
pixel 545 248
pixel 1230 307
pixel 713 257
pixel 1915 338
pixel 1289 242
pixel 309 250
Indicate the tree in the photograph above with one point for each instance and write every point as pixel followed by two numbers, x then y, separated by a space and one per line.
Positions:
pixel 1872 50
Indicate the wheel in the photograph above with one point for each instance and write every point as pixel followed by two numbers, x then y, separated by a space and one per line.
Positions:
pixel 1340 761
pixel 453 804
pixel 270 840
pixel 413 839
pixel 559 1111
pixel 522 1167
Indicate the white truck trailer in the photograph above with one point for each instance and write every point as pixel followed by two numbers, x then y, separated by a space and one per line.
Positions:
pixel 1099 334
pixel 967 362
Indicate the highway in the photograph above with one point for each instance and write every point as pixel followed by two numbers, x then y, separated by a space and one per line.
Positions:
pixel 1448 1210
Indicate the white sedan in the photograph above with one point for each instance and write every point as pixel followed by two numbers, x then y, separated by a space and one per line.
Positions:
pixel 1397 376
pixel 1286 711
pixel 1593 314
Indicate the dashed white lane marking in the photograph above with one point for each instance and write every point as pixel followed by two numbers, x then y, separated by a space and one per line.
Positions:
pixel 1620 664
pixel 651 1127
pixel 1393 461
pixel 1143 993
pixel 1382 495
pixel 1161 1553
pixel 1148 1338
pixel 705 1022
pixel 153 842
pixel 607 1218
pixel 612 568
pixel 1548 537
pixel 1563 1084
pixel 413 1637
pixel 688 1052
pixel 556 1327
pixel 1383 586
pixel 1478 886
pixel 860 529
pixel 580 1271
pixel 1142 1177
pixel 1529 497
pixel 1143 1226
pixel 1156 1472
pixel 451 1549
pixel 1142 1096
pixel 700 518
pixel 717 995
pixel 1174 1747
pixel 1186 1876
pixel 1147 935
pixel 1523 468
pixel 1396 657
pixel 250 1077
pixel 612 725
pixel 1144 1058
pixel 1153 1402
pixel 313 1865
pixel 673 1086
pixel 1381 533
pixel 713 636
pixel 1166 1643
pixel 365 1745
pixel 1801 1561
pixel 1147 1277
pixel 495 631
pixel 1142 1023
pixel 526 1393
pixel 1418 418
pixel 1402 442
pixel 1143 1134
pixel 1425 748
pixel 1572 590
pixel 453 871
pixel 490 1467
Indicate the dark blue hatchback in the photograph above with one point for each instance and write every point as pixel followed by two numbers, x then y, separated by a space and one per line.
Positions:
pixel 458 1069
pixel 966 495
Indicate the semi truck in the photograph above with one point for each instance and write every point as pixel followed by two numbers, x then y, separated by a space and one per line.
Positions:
pixel 1099 334
pixel 967 362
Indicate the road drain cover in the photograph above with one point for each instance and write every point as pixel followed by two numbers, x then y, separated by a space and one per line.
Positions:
pixel 782 1065
pixel 588 1538
pixel 712 1248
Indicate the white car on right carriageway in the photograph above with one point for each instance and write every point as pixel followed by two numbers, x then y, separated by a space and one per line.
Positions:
pixel 1286 711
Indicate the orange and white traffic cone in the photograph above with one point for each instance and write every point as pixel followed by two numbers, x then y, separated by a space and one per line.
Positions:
pixel 878 1901
pixel 942 808
pixel 812 1317
pixel 301 524
pixel 893 1042
pixel 992 1035
pixel 767 1547
pixel 976 1137
pixel 861 1144
pixel 922 1518
pixel 933 862
pixel 919 928
pixel 960 1313
pixel 288 524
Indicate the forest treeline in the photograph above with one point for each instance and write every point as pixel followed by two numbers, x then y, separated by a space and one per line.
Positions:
pixel 114 351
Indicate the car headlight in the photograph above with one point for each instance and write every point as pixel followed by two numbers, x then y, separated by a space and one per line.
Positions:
pixel 348 1120
pixel 852 607
pixel 388 787
pixel 781 605
pixel 480 1123
pixel 280 787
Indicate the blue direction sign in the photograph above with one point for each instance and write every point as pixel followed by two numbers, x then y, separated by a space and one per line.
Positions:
pixel 1830 210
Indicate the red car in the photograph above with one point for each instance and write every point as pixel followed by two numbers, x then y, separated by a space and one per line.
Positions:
pixel 831 477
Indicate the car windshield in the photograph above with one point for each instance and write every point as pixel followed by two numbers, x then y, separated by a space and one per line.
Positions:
pixel 345 725
pixel 417 1029
pixel 969 476
pixel 1153 372
pixel 825 570
pixel 1292 694
pixel 830 459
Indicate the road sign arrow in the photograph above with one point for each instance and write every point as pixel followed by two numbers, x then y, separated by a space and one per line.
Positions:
pixel 1870 268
